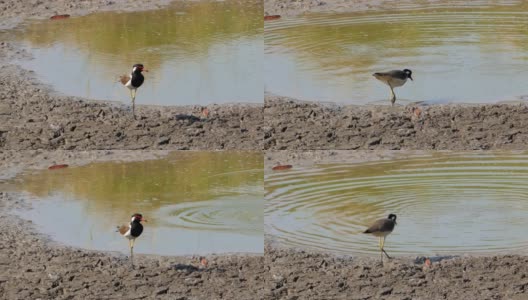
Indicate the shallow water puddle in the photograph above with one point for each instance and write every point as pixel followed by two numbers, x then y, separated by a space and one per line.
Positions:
pixel 446 203
pixel 196 53
pixel 195 202
pixel 459 51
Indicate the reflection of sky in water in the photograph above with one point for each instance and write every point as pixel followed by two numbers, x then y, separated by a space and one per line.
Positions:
pixel 195 202
pixel 456 55
pixel 228 73
pixel 445 203
pixel 64 219
pixel 212 53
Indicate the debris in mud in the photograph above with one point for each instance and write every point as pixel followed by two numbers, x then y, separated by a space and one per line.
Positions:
pixel 55 167
pixel 203 262
pixel 282 167
pixel 272 17
pixel 60 17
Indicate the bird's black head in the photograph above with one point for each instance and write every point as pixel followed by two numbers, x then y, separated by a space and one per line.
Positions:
pixel 392 217
pixel 408 73
pixel 137 68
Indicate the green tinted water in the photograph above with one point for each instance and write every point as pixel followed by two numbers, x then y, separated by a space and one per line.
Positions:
pixel 450 203
pixel 195 202
pixel 459 51
pixel 196 53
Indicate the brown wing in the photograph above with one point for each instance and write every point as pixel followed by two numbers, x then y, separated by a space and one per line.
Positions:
pixel 123 229
pixel 385 77
pixel 124 79
pixel 383 225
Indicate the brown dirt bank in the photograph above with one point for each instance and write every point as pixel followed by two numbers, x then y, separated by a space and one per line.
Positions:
pixel 305 275
pixel 14 11
pixel 32 117
pixel 309 158
pixel 296 7
pixel 13 162
pixel 297 125
pixel 32 267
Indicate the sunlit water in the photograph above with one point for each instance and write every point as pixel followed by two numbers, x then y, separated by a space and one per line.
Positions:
pixel 196 53
pixel 446 204
pixel 459 51
pixel 195 203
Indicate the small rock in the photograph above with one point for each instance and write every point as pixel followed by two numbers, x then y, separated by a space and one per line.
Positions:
pixel 162 291
pixel 163 140
pixel 385 291
pixel 374 141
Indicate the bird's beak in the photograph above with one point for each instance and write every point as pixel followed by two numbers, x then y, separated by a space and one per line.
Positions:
pixel 411 78
pixel 145 70
pixel 143 220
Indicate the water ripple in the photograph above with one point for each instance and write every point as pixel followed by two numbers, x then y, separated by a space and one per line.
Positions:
pixel 445 203
pixel 226 214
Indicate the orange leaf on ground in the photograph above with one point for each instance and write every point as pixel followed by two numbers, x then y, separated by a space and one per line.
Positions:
pixel 272 17
pixel 282 167
pixel 58 17
pixel 54 167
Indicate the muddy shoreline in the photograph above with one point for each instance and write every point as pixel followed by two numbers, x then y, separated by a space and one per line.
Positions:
pixel 34 266
pixel 13 12
pixel 299 7
pixel 13 163
pixel 299 125
pixel 305 158
pixel 311 274
pixel 299 274
pixel 34 116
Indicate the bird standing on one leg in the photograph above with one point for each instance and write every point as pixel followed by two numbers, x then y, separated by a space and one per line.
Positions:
pixel 381 228
pixel 133 82
pixel 132 231
pixel 394 79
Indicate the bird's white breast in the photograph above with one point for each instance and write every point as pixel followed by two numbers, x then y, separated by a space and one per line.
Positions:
pixel 396 82
pixel 129 84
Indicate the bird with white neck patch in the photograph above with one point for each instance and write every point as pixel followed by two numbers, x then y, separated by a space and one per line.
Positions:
pixel 132 231
pixel 133 82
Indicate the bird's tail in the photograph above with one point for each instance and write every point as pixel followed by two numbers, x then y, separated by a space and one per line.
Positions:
pixel 366 231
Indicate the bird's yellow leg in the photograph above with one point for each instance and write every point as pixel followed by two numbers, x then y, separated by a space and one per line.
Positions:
pixel 382 248
pixel 133 95
pixel 393 96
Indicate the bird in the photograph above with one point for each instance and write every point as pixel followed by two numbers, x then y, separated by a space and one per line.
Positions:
pixel 132 231
pixel 381 228
pixel 394 79
pixel 133 82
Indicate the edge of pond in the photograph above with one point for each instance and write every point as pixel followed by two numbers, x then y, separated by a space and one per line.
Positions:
pixel 38 267
pixel 301 125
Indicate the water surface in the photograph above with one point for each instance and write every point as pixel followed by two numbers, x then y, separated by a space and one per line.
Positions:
pixel 196 53
pixel 195 203
pixel 459 51
pixel 446 203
